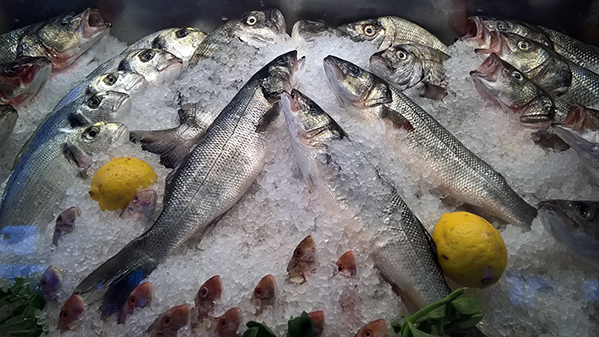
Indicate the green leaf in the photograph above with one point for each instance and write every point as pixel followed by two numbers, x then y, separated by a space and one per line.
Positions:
pixel 468 305
pixel 471 322
pixel 426 326
pixel 417 333
pixel 258 330
pixel 301 326
pixel 37 302
pixel 435 315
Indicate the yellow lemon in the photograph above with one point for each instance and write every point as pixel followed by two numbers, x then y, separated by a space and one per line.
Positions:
pixel 471 251
pixel 117 182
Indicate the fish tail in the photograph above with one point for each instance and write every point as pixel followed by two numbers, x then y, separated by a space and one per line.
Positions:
pixel 165 143
pixel 122 273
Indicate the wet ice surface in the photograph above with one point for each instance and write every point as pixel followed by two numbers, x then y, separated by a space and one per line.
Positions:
pixel 545 291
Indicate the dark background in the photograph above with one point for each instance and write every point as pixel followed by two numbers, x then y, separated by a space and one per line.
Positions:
pixel 133 19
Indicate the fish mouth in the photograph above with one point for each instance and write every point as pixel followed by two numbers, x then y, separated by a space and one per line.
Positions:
pixel 93 23
pixel 379 60
pixel 297 29
pixel 473 29
pixel 488 69
pixel 553 215
pixel 495 45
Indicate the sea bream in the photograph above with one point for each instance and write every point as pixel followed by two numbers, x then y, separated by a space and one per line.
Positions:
pixel 21 80
pixel 209 181
pixel 459 172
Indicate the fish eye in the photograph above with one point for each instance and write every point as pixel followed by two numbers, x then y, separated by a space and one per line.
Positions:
pixel 504 26
pixel 282 61
pixel 369 30
pixel 64 22
pixel 258 292
pixel 339 268
pixel 64 314
pixel 91 133
pixel 354 70
pixel 401 54
pixel 94 102
pixel 223 322
pixel 583 211
pixel 524 45
pixel 181 33
pixel 11 68
pixel 367 334
pixel 132 300
pixel 251 20
pixel 166 321
pixel 110 79
pixel 135 199
pixel 517 76
pixel 298 252
pixel 203 292
pixel 146 55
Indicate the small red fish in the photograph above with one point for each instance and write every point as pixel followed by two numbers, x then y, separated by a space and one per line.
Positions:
pixel 346 265
pixel 140 297
pixel 167 324
pixel 228 323
pixel 376 328
pixel 65 223
pixel 51 282
pixel 265 293
pixel 318 321
pixel 71 312
pixel 208 294
pixel 303 260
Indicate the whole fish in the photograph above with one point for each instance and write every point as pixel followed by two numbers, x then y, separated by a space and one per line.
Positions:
pixel 303 260
pixel 8 120
pixel 39 183
pixel 71 313
pixel 309 30
pixel 207 295
pixel 141 207
pixel 575 224
pixel 317 318
pixel 265 293
pixel 466 177
pixel 51 282
pixel 65 223
pixel 346 265
pixel 61 39
pixel 21 80
pixel 387 31
pixel 140 297
pixel 255 28
pixel 406 65
pixel 175 318
pixel 376 328
pixel 205 185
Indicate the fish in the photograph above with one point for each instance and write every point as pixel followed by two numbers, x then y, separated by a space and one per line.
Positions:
pixel 580 53
pixel 61 39
pixel 8 120
pixel 376 328
pixel 181 42
pixel 65 223
pixel 191 203
pixel 71 313
pixel 175 318
pixel 346 265
pixel 39 183
pixel 51 282
pixel 141 207
pixel 463 175
pixel 255 28
pixel 407 65
pixel 265 293
pixel 574 224
pixel 303 260
pixel 22 79
pixel 140 297
pixel 228 323
pixel 385 31
pixel 309 30
pixel 317 318
pixel 207 295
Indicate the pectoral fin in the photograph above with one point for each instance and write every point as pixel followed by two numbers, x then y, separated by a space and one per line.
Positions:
pixel 73 153
pixel 397 119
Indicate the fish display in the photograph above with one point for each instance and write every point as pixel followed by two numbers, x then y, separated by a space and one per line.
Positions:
pixel 140 297
pixel 21 80
pixel 308 30
pixel 580 130
pixel 65 223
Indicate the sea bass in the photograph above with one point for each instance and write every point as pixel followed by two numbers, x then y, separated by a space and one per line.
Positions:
pixel 205 185
pixel 466 177
pixel 21 80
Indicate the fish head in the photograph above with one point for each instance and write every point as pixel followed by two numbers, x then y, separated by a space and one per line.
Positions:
pixel 480 29
pixel 157 66
pixel 583 141
pixel 22 79
pixel 208 293
pixel 401 64
pixel 259 28
pixel 279 74
pixel 120 81
pixel 266 290
pixel 67 217
pixel 103 106
pixel 142 205
pixel 317 318
pixel 171 321
pixel 356 87
pixel 98 137
pixel 309 30
pixel 378 31
pixel 346 265
pixel 181 42
pixel 304 256
pixel 71 313
pixel 376 328
pixel 141 296
pixel 228 323
pixel 51 281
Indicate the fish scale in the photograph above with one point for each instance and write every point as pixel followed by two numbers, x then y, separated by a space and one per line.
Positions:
pixel 584 55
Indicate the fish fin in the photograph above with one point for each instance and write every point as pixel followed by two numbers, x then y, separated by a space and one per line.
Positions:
pixel 76 119
pixel 396 118
pixel 433 91
pixel 166 143
pixel 71 96
pixel 549 140
pixel 268 117
pixel 122 273
pixel 75 154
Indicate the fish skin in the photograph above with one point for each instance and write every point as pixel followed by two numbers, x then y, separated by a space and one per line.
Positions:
pixel 140 297
pixel 346 265
pixel 386 31
pixel 51 282
pixel 309 30
pixel 574 223
pixel 376 328
pixel 141 207
pixel 466 177
pixel 8 120
pixel 582 54
pixel 303 260
pixel 21 80
pixel 167 324
pixel 70 314
pixel 43 178
pixel 265 293
pixel 205 185
pixel 65 223
pixel 317 318
pixel 207 295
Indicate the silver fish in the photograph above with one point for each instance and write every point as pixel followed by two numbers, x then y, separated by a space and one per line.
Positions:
pixel 575 224
pixel 8 120
pixel 387 31
pixel 21 80
pixel 141 207
pixel 580 53
pixel 205 185
pixel 407 65
pixel 466 177
pixel 65 223
pixel 31 199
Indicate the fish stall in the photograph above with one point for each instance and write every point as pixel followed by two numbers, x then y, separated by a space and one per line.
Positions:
pixel 304 168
